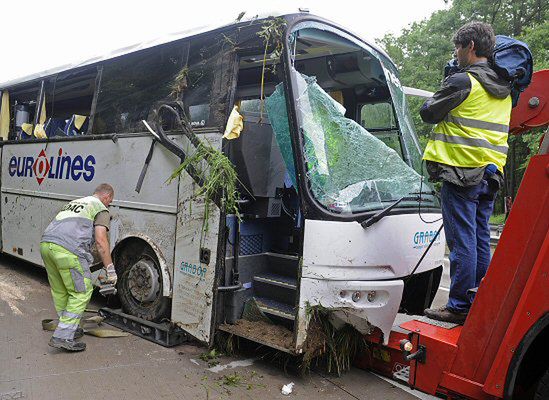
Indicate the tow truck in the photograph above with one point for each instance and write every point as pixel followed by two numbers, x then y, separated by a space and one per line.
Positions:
pixel 501 352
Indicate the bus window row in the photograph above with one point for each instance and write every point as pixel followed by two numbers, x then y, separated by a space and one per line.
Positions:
pixel 117 94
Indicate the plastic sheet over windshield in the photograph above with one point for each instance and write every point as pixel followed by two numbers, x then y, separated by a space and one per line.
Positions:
pixel 349 169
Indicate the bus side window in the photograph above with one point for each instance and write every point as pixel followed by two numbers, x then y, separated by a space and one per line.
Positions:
pixel 133 84
pixel 379 119
pixel 208 83
pixel 69 98
pixel 22 106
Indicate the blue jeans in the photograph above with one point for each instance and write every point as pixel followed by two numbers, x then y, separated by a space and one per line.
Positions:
pixel 465 213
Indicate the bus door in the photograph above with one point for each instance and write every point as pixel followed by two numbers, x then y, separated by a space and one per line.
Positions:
pixel 197 246
pixel 196 250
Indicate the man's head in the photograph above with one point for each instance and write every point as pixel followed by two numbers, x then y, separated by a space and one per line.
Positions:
pixel 105 193
pixel 474 43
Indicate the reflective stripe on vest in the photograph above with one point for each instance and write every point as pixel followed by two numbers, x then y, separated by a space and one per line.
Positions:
pixel 474 134
pixel 73 229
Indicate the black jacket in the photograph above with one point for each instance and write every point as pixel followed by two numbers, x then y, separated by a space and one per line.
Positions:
pixel 455 89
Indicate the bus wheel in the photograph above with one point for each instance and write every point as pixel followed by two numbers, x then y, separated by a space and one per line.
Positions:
pixel 140 283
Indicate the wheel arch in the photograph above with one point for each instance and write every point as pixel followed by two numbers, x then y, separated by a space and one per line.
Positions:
pixel 533 344
pixel 147 241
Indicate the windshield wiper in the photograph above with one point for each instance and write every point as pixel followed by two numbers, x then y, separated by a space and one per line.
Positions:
pixel 378 216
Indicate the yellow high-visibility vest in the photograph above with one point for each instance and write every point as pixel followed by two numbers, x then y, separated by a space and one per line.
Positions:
pixel 474 134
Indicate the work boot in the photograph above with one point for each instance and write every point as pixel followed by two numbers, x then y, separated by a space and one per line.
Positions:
pixel 446 315
pixel 67 344
pixel 79 333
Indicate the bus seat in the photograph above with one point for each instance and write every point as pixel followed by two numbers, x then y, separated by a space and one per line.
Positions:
pixel 55 127
pixel 77 125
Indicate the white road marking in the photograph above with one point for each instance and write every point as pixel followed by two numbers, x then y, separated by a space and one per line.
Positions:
pixel 234 364
pixel 12 293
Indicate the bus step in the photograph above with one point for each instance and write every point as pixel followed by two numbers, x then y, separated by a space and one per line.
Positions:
pixel 273 307
pixel 277 280
pixel 164 334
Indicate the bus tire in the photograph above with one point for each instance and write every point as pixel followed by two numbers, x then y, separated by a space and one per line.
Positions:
pixel 140 282
pixel 542 391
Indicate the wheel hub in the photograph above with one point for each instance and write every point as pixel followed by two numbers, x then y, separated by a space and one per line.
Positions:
pixel 143 281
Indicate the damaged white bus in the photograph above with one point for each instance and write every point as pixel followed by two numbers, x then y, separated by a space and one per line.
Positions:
pixel 331 208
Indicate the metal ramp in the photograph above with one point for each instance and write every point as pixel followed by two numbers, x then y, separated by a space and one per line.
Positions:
pixel 165 334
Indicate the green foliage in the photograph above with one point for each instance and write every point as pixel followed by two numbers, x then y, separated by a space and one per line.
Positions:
pixel 423 48
pixel 233 380
pixel 497 219
pixel 219 179
pixel 211 357
pixel 271 32
pixel 180 82
pixel 335 348
pixel 537 38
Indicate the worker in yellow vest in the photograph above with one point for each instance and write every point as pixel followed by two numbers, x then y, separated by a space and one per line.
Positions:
pixel 467 152
pixel 66 251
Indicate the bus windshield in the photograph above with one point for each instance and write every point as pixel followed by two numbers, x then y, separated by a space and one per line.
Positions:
pixel 359 146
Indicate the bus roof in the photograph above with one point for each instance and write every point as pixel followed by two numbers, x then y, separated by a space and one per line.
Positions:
pixel 157 42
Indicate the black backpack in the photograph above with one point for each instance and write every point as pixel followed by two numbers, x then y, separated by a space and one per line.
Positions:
pixel 512 61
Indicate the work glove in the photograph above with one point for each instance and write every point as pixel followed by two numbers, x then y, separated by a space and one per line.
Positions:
pixel 108 275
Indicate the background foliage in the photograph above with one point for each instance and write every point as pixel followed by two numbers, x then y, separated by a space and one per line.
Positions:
pixel 422 50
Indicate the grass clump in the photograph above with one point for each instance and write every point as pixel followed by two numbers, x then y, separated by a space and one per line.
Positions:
pixel 226 343
pixel 233 380
pixel 326 345
pixel 211 357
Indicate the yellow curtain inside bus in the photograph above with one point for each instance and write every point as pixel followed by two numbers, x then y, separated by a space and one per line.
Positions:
pixel 5 115
pixel 39 131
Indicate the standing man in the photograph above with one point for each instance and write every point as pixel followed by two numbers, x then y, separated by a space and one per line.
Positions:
pixel 467 152
pixel 66 251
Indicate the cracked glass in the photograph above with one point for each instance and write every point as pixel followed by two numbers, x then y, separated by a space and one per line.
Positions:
pixel 359 147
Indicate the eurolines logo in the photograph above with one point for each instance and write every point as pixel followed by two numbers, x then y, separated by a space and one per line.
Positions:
pixel 423 238
pixel 60 167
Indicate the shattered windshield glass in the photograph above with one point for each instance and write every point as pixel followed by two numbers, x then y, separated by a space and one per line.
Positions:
pixel 413 153
pixel 358 155
pixel 349 169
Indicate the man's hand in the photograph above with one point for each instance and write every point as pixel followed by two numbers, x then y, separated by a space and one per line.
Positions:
pixel 108 275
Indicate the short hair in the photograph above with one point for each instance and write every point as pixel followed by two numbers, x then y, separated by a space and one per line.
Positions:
pixel 480 33
pixel 104 188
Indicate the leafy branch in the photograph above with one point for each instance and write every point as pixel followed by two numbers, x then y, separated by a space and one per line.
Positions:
pixel 219 183
pixel 272 33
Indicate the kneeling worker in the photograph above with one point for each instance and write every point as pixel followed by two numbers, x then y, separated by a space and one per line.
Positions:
pixel 66 251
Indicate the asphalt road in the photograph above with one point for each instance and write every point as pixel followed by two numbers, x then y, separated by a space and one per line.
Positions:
pixel 133 368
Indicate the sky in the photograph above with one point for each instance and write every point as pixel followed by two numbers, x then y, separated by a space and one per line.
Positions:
pixel 38 35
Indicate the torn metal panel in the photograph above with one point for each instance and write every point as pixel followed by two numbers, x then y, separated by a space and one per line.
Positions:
pixel 340 258
pixel 361 303
pixel 194 279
